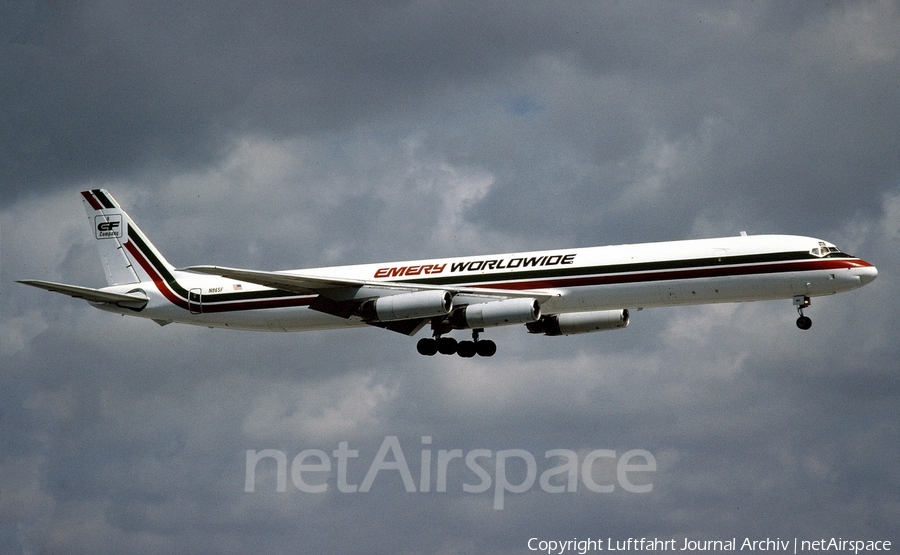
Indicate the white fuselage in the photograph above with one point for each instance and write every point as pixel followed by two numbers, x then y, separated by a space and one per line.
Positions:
pixel 721 270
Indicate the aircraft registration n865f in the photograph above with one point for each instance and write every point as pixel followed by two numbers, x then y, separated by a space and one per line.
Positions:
pixel 553 292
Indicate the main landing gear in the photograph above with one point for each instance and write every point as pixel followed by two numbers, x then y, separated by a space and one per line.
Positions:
pixel 801 302
pixel 429 346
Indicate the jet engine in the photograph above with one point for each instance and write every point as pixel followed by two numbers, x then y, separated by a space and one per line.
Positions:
pixel 580 322
pixel 405 306
pixel 496 313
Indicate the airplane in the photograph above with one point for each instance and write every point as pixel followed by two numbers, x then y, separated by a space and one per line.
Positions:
pixel 551 292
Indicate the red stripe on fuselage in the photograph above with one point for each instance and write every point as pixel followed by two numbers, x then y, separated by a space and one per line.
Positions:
pixel 158 280
pixel 163 287
pixel 667 275
pixel 259 304
pixel 581 281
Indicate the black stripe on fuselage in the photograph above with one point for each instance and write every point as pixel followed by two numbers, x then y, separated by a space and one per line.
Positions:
pixel 675 275
pixel 539 278
pixel 267 298
pixel 768 263
pixel 558 272
pixel 135 237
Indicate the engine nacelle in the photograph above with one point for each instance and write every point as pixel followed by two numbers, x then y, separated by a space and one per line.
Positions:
pixel 406 306
pixel 580 322
pixel 496 313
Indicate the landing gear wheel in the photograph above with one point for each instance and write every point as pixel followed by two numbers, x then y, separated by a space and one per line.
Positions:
pixel 485 348
pixel 446 345
pixel 465 349
pixel 430 346
pixel 801 302
pixel 427 346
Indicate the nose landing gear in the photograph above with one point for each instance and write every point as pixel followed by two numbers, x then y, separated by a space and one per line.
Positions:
pixel 801 302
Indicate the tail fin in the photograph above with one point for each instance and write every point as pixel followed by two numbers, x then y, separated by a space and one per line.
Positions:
pixel 125 252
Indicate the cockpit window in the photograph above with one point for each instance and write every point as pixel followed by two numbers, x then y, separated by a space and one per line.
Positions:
pixel 823 251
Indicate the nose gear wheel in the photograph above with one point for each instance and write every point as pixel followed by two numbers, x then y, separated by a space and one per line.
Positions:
pixel 801 302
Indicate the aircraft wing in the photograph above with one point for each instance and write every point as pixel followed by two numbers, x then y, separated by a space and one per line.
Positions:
pixel 332 297
pixel 306 284
pixel 302 284
pixel 87 293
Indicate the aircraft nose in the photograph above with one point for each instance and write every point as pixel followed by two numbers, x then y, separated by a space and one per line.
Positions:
pixel 867 274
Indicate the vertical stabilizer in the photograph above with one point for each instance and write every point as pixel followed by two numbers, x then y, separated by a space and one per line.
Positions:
pixel 124 250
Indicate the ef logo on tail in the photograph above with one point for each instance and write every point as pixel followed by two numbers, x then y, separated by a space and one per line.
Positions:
pixel 108 227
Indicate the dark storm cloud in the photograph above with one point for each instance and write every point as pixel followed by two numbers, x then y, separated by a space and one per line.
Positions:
pixel 729 105
pixel 96 89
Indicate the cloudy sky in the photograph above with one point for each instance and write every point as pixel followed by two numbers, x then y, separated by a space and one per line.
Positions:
pixel 281 136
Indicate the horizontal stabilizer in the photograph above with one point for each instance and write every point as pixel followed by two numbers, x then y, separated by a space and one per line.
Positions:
pixel 89 294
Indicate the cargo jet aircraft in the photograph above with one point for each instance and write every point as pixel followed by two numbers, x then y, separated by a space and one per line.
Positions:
pixel 553 292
